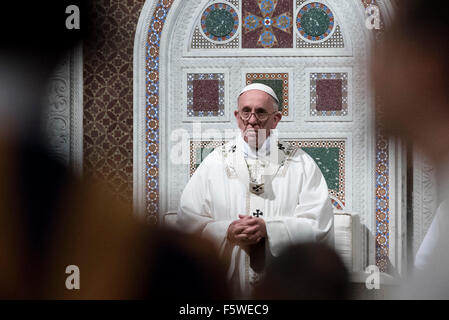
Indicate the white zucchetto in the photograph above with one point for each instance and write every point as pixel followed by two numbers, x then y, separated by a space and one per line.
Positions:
pixel 261 87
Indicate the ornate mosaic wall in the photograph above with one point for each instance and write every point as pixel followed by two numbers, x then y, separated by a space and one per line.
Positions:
pixel 205 95
pixel 382 175
pixel 267 24
pixel 328 155
pixel 328 94
pixel 108 100
pixel 279 82
pixel 108 94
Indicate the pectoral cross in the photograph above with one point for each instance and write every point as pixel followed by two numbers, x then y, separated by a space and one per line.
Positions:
pixel 257 251
pixel 258 213
pixel 257 188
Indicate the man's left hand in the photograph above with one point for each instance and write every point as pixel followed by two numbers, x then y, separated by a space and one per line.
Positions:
pixel 255 228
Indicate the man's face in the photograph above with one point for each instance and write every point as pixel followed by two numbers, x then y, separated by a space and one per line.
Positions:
pixel 256 101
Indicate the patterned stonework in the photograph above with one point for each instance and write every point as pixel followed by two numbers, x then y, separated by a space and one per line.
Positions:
pixel 199 150
pixel 219 22
pixel 335 41
pixel 330 158
pixel 328 94
pixel 279 82
pixel 382 182
pixel 205 94
pixel 108 94
pixel 315 22
pixel 267 24
pixel 152 142
pixel 382 176
pixel 328 155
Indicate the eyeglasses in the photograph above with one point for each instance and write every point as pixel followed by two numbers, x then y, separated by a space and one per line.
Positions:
pixel 261 116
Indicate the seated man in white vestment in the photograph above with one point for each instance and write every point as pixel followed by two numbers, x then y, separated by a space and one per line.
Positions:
pixel 256 195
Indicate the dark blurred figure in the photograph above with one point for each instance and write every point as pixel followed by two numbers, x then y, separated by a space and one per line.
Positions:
pixel 49 219
pixel 410 69
pixel 304 272
pixel 411 77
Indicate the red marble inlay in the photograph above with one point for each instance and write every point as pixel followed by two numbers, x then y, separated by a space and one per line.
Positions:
pixel 329 95
pixel 205 95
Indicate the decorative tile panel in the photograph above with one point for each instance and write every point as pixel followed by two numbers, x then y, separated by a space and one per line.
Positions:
pixel 329 95
pixel 205 94
pixel 152 108
pixel 333 41
pixel 330 158
pixel 219 22
pixel 382 176
pixel 267 24
pixel 108 94
pixel 279 82
pixel 328 155
pixel 315 22
pixel 199 150
pixel 200 42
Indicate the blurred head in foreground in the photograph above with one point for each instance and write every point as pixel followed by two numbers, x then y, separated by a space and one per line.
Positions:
pixel 410 73
pixel 33 39
pixel 305 271
pixel 48 219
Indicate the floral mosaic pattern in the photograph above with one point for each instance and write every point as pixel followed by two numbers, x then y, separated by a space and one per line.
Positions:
pixel 108 94
pixel 267 24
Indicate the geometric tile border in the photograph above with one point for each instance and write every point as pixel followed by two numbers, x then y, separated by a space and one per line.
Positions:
pixel 278 81
pixel 209 80
pixel 341 145
pixel 152 108
pixel 336 41
pixel 314 78
pixel 382 200
pixel 330 78
pixel 197 155
pixel 205 95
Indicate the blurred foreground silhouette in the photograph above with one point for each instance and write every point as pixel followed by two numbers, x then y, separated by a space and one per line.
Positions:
pixel 49 219
pixel 305 271
pixel 410 73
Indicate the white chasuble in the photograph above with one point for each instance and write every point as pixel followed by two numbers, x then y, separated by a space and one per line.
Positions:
pixel 284 187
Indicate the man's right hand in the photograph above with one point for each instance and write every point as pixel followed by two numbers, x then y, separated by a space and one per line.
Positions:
pixel 238 232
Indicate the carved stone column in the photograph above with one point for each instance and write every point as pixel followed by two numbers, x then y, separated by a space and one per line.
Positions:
pixel 64 115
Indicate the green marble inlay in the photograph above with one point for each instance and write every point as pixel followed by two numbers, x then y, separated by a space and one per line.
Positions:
pixel 315 22
pixel 219 22
pixel 276 85
pixel 327 161
pixel 201 154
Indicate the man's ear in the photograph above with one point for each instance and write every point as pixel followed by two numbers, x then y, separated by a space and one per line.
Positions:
pixel 236 114
pixel 277 118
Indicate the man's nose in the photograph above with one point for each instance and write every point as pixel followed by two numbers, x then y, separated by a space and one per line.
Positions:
pixel 253 119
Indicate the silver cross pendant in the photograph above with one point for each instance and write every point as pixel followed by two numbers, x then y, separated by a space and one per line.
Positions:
pixel 256 188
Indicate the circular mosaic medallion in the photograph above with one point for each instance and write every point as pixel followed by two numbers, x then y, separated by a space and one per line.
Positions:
pixel 315 22
pixel 219 22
